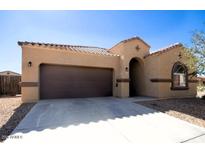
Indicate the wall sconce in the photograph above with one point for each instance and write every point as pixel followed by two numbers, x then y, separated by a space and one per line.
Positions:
pixel 126 69
pixel 137 48
pixel 180 55
pixel 29 64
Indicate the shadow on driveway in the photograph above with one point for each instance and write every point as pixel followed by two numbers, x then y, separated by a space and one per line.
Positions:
pixel 65 112
pixel 103 119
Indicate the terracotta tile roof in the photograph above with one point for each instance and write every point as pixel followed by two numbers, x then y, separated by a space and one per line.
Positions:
pixel 135 38
pixel 164 50
pixel 130 39
pixel 77 48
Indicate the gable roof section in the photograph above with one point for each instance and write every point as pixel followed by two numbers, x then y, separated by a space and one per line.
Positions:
pixel 76 48
pixel 164 50
pixel 130 39
pixel 135 38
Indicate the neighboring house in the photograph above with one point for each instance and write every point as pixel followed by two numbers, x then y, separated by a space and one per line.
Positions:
pixel 9 73
pixel 201 79
pixel 52 71
pixel 201 88
pixel 10 83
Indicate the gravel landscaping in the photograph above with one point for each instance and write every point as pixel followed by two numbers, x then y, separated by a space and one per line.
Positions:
pixel 12 111
pixel 191 110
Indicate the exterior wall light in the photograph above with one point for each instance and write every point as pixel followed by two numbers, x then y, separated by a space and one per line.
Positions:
pixel 29 64
pixel 180 55
pixel 137 48
pixel 126 69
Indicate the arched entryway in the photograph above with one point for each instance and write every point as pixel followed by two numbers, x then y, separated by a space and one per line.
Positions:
pixel 136 73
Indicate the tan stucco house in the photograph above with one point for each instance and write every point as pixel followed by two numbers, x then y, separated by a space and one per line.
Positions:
pixel 127 69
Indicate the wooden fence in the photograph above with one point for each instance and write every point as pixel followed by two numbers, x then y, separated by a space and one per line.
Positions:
pixel 10 85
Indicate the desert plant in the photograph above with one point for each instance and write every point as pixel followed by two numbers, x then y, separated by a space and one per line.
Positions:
pixel 196 54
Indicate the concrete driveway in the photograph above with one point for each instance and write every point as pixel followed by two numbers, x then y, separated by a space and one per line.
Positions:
pixel 102 120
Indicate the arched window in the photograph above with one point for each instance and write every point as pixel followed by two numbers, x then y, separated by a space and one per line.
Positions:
pixel 179 77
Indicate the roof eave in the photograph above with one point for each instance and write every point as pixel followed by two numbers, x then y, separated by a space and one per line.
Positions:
pixel 130 39
pixel 62 46
pixel 164 50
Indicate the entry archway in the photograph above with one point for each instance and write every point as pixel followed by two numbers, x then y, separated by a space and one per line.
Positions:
pixel 136 76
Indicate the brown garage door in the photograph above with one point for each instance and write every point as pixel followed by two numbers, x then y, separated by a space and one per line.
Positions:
pixel 58 81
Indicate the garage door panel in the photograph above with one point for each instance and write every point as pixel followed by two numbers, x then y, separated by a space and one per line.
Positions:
pixel 70 82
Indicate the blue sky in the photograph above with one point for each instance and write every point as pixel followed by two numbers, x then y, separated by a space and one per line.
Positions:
pixel 95 28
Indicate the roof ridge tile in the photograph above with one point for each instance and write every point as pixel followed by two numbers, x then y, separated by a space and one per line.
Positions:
pixel 21 43
pixel 164 50
pixel 77 48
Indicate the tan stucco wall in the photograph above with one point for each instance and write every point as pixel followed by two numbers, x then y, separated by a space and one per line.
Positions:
pixel 160 66
pixel 62 57
pixel 157 66
pixel 151 71
pixel 127 51
pixel 154 66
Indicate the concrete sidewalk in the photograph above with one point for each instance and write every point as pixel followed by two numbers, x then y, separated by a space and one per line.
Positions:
pixel 102 120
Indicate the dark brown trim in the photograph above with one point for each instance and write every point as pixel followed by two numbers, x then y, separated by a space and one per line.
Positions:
pixel 179 88
pixel 161 80
pixel 29 84
pixel 170 80
pixel 123 80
